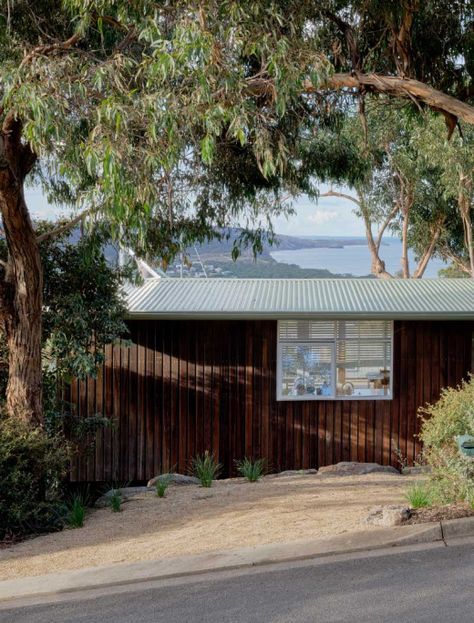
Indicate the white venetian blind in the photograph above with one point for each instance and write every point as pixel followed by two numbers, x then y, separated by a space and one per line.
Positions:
pixel 302 330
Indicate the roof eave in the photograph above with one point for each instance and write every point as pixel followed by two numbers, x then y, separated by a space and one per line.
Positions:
pixel 186 315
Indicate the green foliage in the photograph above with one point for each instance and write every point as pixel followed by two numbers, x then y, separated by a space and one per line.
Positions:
pixel 205 468
pixel 250 469
pixel 77 509
pixel 154 103
pixel 162 485
pixel 116 501
pixel 84 309
pixel 418 495
pixel 452 475
pixel 32 466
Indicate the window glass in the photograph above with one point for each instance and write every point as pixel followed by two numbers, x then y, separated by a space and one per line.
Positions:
pixel 306 369
pixel 363 367
pixel 334 359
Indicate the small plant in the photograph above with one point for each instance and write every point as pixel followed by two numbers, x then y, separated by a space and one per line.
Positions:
pixel 116 501
pixel 418 496
pixel 76 511
pixel 251 470
pixel 162 485
pixel 205 468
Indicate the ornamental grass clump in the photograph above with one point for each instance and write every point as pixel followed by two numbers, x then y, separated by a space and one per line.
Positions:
pixel 452 473
pixel 115 500
pixel 162 485
pixel 418 496
pixel 205 468
pixel 76 511
pixel 250 469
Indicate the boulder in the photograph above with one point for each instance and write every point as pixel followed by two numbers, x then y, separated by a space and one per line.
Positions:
pixel 175 479
pixel 416 470
pixel 352 468
pixel 126 493
pixel 388 516
pixel 296 472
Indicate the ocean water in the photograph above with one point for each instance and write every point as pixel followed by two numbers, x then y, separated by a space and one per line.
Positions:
pixel 353 259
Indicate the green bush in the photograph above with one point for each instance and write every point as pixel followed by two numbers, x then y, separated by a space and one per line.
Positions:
pixel 205 468
pixel 418 495
pixel 452 473
pixel 251 470
pixel 32 466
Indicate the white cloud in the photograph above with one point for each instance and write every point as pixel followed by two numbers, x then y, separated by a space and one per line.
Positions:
pixel 321 217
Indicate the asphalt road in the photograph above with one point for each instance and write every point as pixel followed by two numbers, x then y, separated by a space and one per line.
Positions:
pixel 434 584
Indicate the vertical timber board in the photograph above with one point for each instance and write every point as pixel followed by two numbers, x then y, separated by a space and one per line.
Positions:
pixel 108 412
pixel 396 390
pixel 411 409
pixel 141 403
pixel 337 444
pixel 249 386
pixel 266 382
pixel 150 400
pixel 404 389
pixel 186 386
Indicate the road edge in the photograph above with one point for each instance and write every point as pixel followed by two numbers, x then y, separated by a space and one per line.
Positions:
pixel 188 566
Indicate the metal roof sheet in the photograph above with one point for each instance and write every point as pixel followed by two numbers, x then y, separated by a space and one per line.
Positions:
pixel 278 298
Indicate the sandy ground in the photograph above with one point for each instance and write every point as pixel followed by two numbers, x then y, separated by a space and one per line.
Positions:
pixel 191 520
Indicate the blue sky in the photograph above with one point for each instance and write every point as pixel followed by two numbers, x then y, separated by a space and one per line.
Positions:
pixel 329 216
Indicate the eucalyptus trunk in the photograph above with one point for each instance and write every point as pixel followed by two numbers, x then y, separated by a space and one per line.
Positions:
pixel 21 283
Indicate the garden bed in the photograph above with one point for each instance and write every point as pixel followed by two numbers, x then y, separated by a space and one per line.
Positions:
pixel 440 513
pixel 191 520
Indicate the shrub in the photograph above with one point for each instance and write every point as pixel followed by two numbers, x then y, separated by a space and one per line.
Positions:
pixel 162 485
pixel 205 468
pixel 116 501
pixel 251 470
pixel 418 496
pixel 32 467
pixel 77 511
pixel 452 473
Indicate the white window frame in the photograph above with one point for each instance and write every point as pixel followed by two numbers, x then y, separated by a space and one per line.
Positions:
pixel 333 343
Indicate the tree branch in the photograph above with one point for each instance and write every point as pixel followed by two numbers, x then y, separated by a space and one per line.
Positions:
pixel 385 224
pixel 333 193
pixel 402 87
pixel 390 85
pixel 46 50
pixel 61 229
pixel 423 263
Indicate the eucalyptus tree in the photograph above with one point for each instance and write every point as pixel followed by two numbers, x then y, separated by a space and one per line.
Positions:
pixel 152 113
pixel 400 189
pixel 454 160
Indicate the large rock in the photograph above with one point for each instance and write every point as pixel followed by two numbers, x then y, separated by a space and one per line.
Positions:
pixel 352 468
pixel 296 472
pixel 126 493
pixel 416 470
pixel 388 516
pixel 176 479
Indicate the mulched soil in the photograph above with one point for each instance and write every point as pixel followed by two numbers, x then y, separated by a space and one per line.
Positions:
pixel 440 513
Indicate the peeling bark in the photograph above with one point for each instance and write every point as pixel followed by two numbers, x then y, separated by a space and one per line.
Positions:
pixel 22 284
pixel 428 254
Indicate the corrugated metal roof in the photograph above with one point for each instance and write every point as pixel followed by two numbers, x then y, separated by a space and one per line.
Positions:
pixel 278 298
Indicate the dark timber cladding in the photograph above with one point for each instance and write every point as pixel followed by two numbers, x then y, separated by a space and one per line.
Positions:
pixel 187 386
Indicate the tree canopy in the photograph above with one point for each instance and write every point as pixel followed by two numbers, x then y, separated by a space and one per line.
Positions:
pixel 170 120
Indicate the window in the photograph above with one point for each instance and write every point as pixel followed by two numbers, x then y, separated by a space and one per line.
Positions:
pixel 334 359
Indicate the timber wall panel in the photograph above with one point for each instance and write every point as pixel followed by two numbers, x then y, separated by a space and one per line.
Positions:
pixel 183 387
